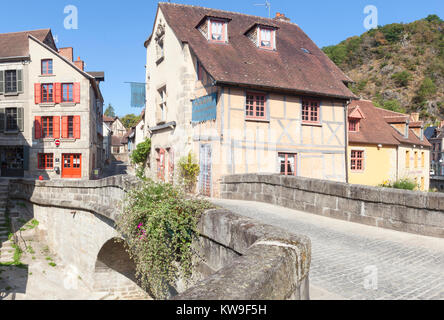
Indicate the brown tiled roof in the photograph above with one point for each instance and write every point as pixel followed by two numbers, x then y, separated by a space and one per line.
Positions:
pixel 416 124
pixel 108 119
pixel 375 129
pixel 396 119
pixel 16 44
pixel 117 141
pixel 240 62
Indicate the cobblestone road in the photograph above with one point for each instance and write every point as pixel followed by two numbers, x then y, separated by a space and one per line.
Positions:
pixel 353 261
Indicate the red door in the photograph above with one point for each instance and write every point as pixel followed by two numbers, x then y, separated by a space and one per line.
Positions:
pixel 72 166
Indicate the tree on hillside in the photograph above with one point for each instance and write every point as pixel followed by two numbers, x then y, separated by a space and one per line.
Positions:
pixel 130 120
pixel 109 112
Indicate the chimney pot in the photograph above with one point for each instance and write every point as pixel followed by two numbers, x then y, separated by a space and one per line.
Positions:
pixel 67 53
pixel 281 16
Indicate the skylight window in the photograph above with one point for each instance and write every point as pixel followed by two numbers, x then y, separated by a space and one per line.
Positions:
pixel 305 50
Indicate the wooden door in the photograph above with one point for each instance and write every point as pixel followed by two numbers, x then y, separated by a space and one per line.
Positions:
pixel 205 170
pixel 161 165
pixel 72 166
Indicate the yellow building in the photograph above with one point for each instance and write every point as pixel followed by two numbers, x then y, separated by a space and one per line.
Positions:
pixel 245 94
pixel 386 146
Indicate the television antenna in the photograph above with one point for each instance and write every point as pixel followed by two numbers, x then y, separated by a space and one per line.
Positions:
pixel 267 4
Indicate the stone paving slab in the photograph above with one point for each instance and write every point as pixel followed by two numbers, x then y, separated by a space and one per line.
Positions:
pixel 354 261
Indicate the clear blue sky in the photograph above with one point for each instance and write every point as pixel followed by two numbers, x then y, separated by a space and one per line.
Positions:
pixel 110 34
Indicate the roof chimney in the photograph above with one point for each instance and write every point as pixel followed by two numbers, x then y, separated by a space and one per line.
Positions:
pixel 281 16
pixel 80 64
pixel 67 53
pixel 414 117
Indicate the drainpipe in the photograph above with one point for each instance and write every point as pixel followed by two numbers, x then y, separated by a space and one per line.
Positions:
pixel 346 139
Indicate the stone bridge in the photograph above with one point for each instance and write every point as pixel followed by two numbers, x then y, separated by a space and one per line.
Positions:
pixel 243 259
pixel 402 210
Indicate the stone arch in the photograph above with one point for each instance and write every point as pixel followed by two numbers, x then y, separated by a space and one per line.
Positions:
pixel 115 271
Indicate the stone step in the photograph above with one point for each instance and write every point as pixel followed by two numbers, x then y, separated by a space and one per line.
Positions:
pixel 7 245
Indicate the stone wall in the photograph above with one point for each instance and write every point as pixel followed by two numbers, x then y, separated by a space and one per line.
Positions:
pixel 247 260
pixel 76 220
pixel 242 259
pixel 407 211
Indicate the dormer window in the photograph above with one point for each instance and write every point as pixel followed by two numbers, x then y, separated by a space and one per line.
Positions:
pixel 354 119
pixel 353 125
pixel 266 38
pixel 217 30
pixel 262 36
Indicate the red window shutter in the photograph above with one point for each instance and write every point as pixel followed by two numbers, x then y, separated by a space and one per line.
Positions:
pixel 76 127
pixel 38 127
pixel 64 127
pixel 37 93
pixel 77 92
pixel 56 127
pixel 57 92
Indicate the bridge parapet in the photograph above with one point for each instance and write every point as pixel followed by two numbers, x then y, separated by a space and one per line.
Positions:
pixel 243 259
pixel 401 210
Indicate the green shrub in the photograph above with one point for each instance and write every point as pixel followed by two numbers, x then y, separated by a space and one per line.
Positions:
pixel 404 184
pixel 337 53
pixel 392 105
pixel 392 32
pixel 402 78
pixel 159 224
pixel 189 171
pixel 427 89
pixel 140 156
pixel 433 18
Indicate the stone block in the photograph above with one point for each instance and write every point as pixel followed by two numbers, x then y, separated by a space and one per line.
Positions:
pixel 326 201
pixel 350 205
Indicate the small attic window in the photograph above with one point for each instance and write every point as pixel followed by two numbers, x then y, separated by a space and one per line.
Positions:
pixel 266 38
pixel 305 50
pixel 217 30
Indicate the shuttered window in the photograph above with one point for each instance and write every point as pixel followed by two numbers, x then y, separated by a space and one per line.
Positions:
pixel 10 81
pixel 71 127
pixel 11 119
pixel 47 92
pixel 67 92
pixel 57 93
pixel 47 127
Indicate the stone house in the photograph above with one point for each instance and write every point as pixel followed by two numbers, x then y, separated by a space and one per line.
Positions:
pixel 385 146
pixel 245 94
pixel 139 130
pixel 50 109
pixel 107 136
pixel 116 125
